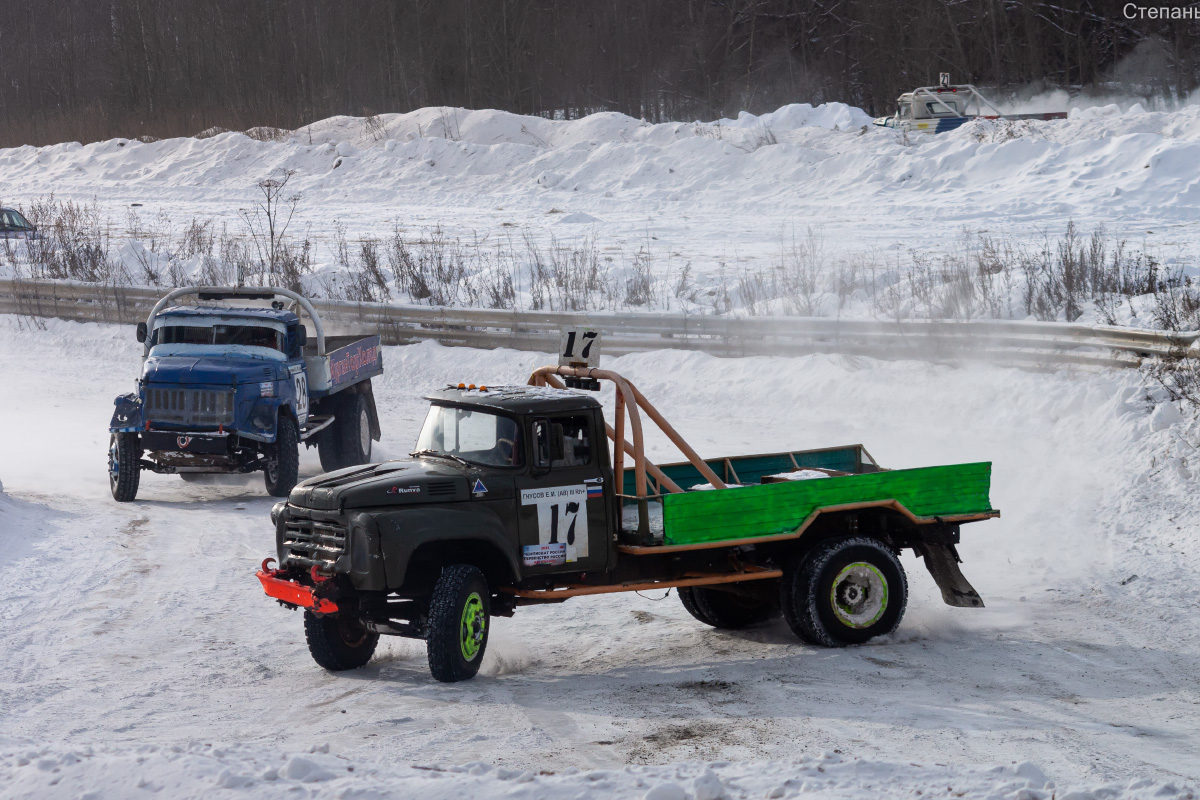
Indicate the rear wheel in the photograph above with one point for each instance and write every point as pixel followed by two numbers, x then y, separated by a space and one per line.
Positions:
pixel 283 460
pixel 347 441
pixel 459 618
pixel 124 472
pixel 339 641
pixel 846 591
pixel 726 609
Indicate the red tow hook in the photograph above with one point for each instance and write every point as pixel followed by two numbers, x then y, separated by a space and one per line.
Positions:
pixel 293 593
pixel 316 576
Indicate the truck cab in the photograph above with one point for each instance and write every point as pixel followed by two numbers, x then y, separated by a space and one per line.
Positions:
pixel 932 109
pixel 235 389
pixel 518 477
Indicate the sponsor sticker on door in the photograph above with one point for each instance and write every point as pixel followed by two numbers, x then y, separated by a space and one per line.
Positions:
pixel 545 555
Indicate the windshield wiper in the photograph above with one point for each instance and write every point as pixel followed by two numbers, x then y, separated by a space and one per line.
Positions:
pixel 439 453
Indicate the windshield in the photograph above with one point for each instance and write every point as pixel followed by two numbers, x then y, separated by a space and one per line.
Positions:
pixel 472 435
pixel 12 220
pixel 249 335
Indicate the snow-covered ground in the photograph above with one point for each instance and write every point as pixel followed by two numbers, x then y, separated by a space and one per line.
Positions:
pixel 725 197
pixel 138 653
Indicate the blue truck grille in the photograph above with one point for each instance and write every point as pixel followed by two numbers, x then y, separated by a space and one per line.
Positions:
pixel 189 406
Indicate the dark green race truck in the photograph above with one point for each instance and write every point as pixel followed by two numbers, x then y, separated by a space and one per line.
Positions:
pixel 513 498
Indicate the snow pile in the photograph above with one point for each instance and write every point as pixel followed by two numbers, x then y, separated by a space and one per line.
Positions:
pixel 208 771
pixel 819 162
pixel 835 116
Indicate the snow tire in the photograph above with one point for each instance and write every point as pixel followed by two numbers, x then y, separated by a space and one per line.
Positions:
pixel 459 622
pixel 347 441
pixel 283 463
pixel 124 472
pixel 339 642
pixel 726 609
pixel 846 591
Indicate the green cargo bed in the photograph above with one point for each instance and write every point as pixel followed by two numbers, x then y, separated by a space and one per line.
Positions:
pixel 748 511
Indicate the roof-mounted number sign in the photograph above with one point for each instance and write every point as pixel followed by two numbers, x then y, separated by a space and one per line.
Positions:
pixel 579 347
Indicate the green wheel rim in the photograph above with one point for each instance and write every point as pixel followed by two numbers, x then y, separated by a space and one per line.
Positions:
pixel 473 627
pixel 859 595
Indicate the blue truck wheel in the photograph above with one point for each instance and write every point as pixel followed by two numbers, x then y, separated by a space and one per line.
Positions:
pixel 283 462
pixel 124 473
pixel 347 442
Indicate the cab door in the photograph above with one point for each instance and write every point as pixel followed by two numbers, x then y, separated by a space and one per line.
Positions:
pixel 562 512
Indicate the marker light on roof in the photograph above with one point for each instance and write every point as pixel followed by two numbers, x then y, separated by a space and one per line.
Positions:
pixel 462 386
pixel 483 388
pixel 472 386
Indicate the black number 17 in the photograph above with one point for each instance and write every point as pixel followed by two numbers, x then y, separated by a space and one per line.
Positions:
pixel 572 513
pixel 589 337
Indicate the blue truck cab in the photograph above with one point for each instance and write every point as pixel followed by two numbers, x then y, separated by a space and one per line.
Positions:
pixel 236 389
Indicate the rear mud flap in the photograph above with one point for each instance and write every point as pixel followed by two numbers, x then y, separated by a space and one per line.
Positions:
pixel 942 562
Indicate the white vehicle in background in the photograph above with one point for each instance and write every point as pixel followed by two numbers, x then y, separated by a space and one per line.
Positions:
pixel 942 108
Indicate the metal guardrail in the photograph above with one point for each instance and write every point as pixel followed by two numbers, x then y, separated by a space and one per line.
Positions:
pixel 1017 343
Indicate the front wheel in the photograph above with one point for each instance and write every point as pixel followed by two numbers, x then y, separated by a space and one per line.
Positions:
pixel 339 641
pixel 124 472
pixel 846 591
pixel 283 461
pixel 459 616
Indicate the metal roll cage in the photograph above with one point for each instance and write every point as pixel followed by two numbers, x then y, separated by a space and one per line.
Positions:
pixel 247 292
pixel 630 400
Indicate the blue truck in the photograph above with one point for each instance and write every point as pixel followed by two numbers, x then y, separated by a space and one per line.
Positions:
pixel 238 388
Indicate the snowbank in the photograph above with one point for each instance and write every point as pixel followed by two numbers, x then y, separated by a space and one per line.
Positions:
pixel 798 159
pixel 218 771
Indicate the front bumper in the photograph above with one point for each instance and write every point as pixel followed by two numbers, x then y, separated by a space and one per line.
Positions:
pixel 206 443
pixel 292 592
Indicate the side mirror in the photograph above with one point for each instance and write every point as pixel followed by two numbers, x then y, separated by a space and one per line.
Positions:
pixel 302 335
pixel 141 332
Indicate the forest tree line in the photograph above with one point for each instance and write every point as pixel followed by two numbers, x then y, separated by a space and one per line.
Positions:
pixel 87 70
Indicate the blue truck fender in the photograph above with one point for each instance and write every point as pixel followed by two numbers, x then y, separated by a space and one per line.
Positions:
pixel 264 416
pixel 127 416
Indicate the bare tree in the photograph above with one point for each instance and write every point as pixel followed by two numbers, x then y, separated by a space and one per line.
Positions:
pixel 267 224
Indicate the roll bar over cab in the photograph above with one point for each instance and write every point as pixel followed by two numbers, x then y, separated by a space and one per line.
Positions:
pixel 511 498
pixel 237 388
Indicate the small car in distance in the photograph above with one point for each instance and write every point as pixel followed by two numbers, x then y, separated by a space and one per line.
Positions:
pixel 13 225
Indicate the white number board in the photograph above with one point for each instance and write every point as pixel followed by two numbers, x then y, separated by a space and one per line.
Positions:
pixel 301 384
pixel 579 347
pixel 562 520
